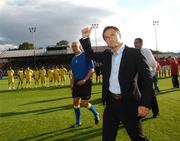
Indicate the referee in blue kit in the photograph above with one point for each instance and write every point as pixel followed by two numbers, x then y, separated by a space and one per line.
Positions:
pixel 82 70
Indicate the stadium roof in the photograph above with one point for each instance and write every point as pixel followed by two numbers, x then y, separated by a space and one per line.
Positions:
pixel 40 52
pixel 45 52
pixel 21 53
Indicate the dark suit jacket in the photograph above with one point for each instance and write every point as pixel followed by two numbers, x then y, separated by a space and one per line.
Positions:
pixel 132 63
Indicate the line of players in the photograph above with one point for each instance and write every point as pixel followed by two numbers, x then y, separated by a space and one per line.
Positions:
pixel 164 65
pixel 54 75
pixel 57 76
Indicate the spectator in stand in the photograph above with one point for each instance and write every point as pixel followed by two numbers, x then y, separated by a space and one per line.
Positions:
pixel 174 72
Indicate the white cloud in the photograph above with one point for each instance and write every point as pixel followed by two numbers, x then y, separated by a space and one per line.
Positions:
pixel 140 24
pixel 55 20
pixel 63 19
pixel 7 46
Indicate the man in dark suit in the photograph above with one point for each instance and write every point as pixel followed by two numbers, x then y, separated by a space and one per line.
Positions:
pixel 120 93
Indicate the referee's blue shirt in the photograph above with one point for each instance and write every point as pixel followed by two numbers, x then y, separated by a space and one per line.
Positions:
pixel 81 66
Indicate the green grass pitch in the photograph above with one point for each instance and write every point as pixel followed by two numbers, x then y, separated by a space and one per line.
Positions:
pixel 45 114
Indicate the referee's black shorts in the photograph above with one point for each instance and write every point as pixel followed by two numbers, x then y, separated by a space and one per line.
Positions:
pixel 83 91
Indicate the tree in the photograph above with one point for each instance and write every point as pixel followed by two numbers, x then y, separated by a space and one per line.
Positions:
pixel 62 43
pixel 26 46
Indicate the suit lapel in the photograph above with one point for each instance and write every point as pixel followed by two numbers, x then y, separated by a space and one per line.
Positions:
pixel 123 60
pixel 109 62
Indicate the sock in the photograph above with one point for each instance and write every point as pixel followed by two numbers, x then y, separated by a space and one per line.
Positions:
pixel 77 113
pixel 92 109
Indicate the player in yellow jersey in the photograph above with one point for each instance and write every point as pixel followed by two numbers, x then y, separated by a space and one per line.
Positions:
pixel 56 76
pixel 42 73
pixel 20 75
pixel 10 74
pixel 63 73
pixel 36 77
pixel 28 75
pixel 69 73
pixel 51 76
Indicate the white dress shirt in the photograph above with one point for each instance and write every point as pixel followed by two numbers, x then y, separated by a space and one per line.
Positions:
pixel 150 60
pixel 114 86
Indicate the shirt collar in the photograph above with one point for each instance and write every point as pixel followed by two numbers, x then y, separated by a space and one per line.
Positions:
pixel 120 50
pixel 78 54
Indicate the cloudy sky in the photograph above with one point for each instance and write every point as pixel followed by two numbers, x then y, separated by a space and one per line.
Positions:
pixel 56 20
